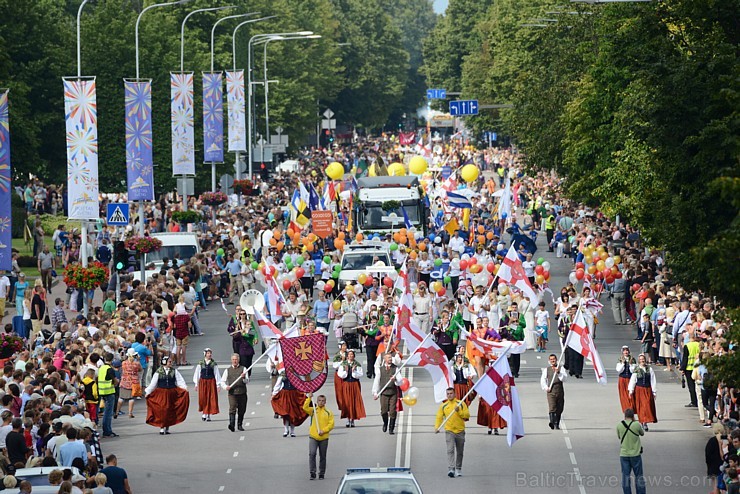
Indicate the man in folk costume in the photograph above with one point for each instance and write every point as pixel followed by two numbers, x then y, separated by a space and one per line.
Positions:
pixel 643 389
pixel 386 373
pixel 205 377
pixel 350 372
pixel 167 398
pixel 287 402
pixel 625 367
pixel 234 380
pixel 551 382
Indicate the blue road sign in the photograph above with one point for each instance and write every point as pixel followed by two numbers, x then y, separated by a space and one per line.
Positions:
pixel 118 214
pixel 464 107
pixel 436 93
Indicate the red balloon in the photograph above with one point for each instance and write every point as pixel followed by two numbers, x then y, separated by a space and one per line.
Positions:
pixel 299 272
pixel 609 279
pixel 618 275
pixel 490 267
pixel 636 287
pixel 607 272
pixel 369 281
pixel 580 273
pixel 272 270
pixel 546 274
pixel 539 269
pixel 599 275
pixel 327 288
pixel 580 265
pixel 490 279
pixel 463 265
pixel 442 292
pixel 588 277
pixel 405 384
pixel 286 285
pixel 387 281
pixel 472 261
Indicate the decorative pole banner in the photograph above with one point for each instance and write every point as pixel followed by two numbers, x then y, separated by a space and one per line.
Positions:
pixel 81 118
pixel 5 190
pixel 183 131
pixel 237 120
pixel 213 118
pixel 139 164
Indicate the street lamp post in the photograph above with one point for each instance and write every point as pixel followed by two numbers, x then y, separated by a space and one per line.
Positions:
pixel 249 85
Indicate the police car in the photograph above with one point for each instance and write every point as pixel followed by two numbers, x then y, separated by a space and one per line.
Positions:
pixel 383 480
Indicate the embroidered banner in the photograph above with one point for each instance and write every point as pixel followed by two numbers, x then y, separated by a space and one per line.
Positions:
pixel 213 118
pixel 183 132
pixel 81 118
pixel 235 99
pixel 139 165
pixel 5 190
pixel 305 358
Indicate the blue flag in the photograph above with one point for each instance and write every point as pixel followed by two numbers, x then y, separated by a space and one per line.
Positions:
pixel 406 221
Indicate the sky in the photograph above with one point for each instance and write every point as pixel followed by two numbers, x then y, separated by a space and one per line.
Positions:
pixel 440 6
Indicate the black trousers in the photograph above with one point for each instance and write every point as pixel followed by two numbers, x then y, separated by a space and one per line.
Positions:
pixel 238 406
pixel 246 361
pixel 573 362
pixel 550 234
pixel 690 385
pixel 708 399
pixel 514 363
pixel 371 358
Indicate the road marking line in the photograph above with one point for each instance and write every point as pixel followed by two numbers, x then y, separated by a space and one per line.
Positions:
pixel 563 428
pixel 538 357
pixel 228 470
pixel 407 459
pixel 573 458
pixel 241 438
pixel 263 394
pixel 252 413
pixel 259 402
pixel 246 424
pixel 236 453
pixel 523 362
pixel 221 488
pixel 567 443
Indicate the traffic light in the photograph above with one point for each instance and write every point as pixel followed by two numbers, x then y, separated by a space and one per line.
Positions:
pixel 120 256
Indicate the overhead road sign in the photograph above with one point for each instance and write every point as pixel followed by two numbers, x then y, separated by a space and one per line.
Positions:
pixel 464 107
pixel 436 93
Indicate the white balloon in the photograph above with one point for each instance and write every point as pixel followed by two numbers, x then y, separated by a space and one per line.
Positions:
pixel 412 392
pixel 546 265
pixel 461 249
pixel 413 286
pixel 320 286
pixel 609 262
pixel 437 240
pixel 465 257
pixel 291 276
pixel 572 278
pixel 358 289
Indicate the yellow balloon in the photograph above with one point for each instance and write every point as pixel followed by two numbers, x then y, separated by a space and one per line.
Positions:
pixel 469 173
pixel 337 305
pixel 334 171
pixel 417 165
pixel 409 401
pixel 396 170
pixel 362 278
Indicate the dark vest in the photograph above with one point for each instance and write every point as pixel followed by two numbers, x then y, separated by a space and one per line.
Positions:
pixel 166 380
pixel 459 376
pixel 207 370
pixel 557 383
pixel 349 378
pixel 232 373
pixel 626 372
pixel 644 381
pixel 385 376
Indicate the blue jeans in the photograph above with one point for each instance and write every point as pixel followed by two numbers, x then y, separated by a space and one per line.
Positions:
pixel 110 408
pixel 632 464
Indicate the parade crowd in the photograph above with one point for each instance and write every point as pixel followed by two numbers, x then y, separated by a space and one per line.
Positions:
pixel 71 376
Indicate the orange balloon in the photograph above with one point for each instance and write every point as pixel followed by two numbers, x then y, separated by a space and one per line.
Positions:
pixel 397 237
pixel 412 242
pixel 591 269
pixel 309 247
pixel 481 239
pixel 402 231
pixel 340 235
pixel 481 229
pixel 422 246
pixel 489 235
pixel 280 245
pixel 413 254
pixel 273 242
pixel 359 237
pixel 403 239
pixel 290 233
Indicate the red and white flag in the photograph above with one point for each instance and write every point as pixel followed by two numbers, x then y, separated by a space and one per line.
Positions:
pixel 512 272
pixel 429 355
pixel 266 328
pixel 579 339
pixel 496 387
pixel 491 348
pixel 274 299
pixel 406 138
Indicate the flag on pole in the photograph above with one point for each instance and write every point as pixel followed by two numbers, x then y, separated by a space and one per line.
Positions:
pixel 266 328
pixel 139 161
pixel 237 114
pixel 512 272
pixel 305 359
pixel 406 221
pixel 497 388
pixel 6 191
pixel 182 124
pixel 314 203
pixel 274 299
pixel 466 218
pixel 456 200
pixel 213 117
pixel 495 348
pixel 452 226
pixel 300 212
pixel 579 339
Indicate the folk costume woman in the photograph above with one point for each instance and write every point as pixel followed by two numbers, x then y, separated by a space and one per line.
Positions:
pixel 463 375
pixel 287 402
pixel 339 358
pixel 625 368
pixel 167 398
pixel 350 371
pixel 488 417
pixel 643 388
pixel 205 377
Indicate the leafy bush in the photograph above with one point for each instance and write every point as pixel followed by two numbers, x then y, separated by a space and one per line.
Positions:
pixel 27 262
pixel 188 216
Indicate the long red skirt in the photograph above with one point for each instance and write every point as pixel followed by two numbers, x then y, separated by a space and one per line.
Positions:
pixel 207 396
pixel 624 395
pixel 645 405
pixel 167 407
pixel 354 407
pixel 488 417
pixel 461 389
pixel 288 403
pixel 339 391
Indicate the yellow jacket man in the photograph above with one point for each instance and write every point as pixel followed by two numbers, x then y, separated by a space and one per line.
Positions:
pixel 322 423
pixel 453 413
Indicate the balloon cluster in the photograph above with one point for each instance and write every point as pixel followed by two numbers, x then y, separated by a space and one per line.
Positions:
pixel 542 271
pixel 410 393
pixel 597 264
pixel 438 288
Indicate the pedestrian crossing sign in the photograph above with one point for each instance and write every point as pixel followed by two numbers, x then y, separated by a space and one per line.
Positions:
pixel 118 214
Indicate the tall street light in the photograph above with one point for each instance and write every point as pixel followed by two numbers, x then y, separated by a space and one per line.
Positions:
pixel 252 40
pixel 264 69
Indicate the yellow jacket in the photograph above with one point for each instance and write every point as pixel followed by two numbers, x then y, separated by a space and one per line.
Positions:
pixel 456 423
pixel 325 418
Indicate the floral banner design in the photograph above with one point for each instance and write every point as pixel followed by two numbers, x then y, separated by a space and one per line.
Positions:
pixel 237 120
pixel 5 190
pixel 213 117
pixel 81 118
pixel 139 164
pixel 183 131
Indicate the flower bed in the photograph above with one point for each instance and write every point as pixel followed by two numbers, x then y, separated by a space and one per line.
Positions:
pixel 144 244
pixel 88 278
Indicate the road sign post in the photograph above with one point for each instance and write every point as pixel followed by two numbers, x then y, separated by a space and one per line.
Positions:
pixel 464 107
pixel 436 94
pixel 118 214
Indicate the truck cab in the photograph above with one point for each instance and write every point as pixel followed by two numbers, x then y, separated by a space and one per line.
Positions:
pixel 374 191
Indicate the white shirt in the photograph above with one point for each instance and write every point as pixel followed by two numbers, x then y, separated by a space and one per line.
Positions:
pixel 542 318
pixel 4 286
pixel 529 268
pixel 456 243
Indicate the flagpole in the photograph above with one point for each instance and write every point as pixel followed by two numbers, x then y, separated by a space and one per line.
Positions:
pixel 462 400
pixel 562 353
pixel 246 371
pixel 403 365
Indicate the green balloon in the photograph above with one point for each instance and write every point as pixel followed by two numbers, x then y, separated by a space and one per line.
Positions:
pixel 289 266
pixel 540 260
pixel 438 262
pixel 286 258
pixel 220 252
pixel 447 280
pixel 337 268
pixel 254 265
pixel 394 246
pixel 327 259
pixel 335 275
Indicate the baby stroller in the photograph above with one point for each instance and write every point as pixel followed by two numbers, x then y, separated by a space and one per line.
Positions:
pixel 350 321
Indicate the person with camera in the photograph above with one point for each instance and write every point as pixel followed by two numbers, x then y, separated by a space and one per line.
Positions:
pixel 630 452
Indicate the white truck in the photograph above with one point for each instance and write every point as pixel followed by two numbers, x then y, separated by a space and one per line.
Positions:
pixel 184 244
pixel 373 192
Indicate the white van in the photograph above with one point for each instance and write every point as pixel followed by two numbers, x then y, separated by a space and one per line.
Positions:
pixel 184 244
